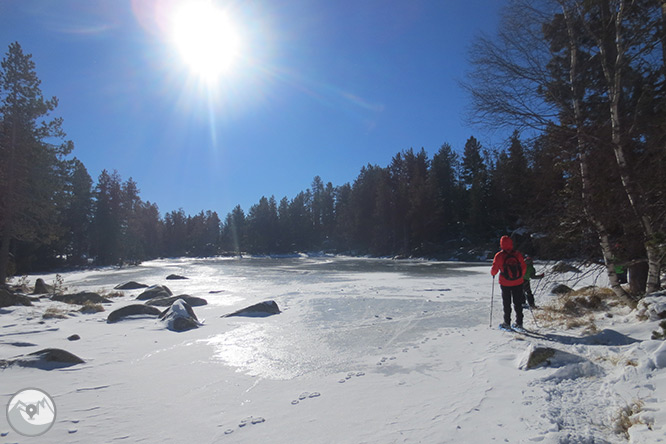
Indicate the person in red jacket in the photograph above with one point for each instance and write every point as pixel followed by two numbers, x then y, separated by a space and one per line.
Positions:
pixel 510 264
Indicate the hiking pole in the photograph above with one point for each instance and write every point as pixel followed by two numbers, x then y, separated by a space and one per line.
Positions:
pixel 492 296
pixel 533 317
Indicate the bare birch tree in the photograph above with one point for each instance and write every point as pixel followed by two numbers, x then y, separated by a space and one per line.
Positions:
pixel 552 65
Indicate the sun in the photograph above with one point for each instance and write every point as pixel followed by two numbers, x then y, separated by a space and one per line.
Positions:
pixel 206 38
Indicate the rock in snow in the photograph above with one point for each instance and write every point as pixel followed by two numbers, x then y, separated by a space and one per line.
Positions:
pixel 132 310
pixel 172 277
pixel 155 291
pixel 541 356
pixel 180 317
pixel 165 302
pixel 7 299
pixel 131 285
pixel 560 289
pixel 41 287
pixel 262 309
pixel 46 359
pixel 80 298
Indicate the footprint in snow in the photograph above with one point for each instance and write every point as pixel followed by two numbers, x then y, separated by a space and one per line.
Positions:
pixel 384 359
pixel 305 395
pixel 251 420
pixel 351 375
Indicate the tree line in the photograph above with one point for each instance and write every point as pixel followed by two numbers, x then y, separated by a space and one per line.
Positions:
pixel 54 214
pixel 583 83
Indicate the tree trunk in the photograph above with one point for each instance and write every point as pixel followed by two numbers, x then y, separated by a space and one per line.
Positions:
pixel 602 232
pixel 613 70
pixel 612 47
pixel 4 256
pixel 663 34
pixel 638 275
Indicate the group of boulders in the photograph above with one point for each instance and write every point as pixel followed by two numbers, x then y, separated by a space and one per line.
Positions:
pixel 176 313
pixel 178 316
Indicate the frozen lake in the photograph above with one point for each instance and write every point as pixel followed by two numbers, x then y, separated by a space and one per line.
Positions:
pixel 336 310
pixel 369 351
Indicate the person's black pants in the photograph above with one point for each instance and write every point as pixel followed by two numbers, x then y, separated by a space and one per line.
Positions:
pixel 512 294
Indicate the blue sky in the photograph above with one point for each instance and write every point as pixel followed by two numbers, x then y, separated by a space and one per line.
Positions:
pixel 319 87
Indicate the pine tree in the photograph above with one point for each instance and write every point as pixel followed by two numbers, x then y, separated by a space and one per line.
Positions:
pixel 445 195
pixel 370 207
pixel 78 213
pixel 234 237
pixel 32 149
pixel 262 225
pixel 510 189
pixel 300 217
pixel 132 247
pixel 475 178
pixel 107 222
pixel 175 233
pixel 343 230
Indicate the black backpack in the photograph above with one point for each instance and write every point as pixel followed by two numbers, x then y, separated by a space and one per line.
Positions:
pixel 512 270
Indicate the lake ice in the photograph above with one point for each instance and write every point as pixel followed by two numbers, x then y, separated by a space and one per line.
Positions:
pixel 365 351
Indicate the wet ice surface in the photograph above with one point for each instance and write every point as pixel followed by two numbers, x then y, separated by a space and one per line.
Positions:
pixel 336 310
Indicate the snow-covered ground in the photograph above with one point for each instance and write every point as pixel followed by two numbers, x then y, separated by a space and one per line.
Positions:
pixel 364 351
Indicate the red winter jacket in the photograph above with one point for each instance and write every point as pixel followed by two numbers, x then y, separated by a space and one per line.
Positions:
pixel 498 262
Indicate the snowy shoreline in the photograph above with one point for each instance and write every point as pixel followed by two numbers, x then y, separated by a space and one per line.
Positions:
pixel 363 351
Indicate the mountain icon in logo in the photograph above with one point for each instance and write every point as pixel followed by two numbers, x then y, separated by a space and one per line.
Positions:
pixel 31 412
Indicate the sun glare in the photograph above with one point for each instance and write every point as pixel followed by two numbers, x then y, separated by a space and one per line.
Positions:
pixel 205 38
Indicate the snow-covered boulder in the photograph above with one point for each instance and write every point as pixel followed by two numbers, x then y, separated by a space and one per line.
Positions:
pixel 131 285
pixel 46 359
pixel 540 356
pixel 536 356
pixel 653 307
pixel 167 301
pixel 155 291
pixel 132 310
pixel 180 317
pixel 262 309
pixel 174 277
